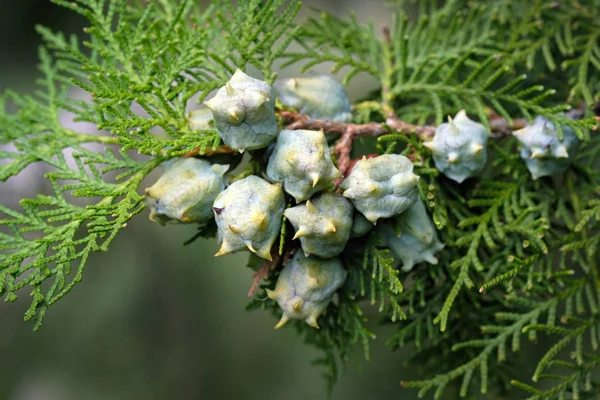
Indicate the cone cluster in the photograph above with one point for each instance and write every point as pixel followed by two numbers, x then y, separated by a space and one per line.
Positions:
pixel 249 212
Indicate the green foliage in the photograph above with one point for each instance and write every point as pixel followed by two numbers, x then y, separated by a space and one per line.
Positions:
pixel 521 257
pixel 145 63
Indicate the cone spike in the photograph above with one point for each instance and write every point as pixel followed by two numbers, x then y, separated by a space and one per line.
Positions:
pixel 330 227
pixel 429 145
pixel 537 153
pixel 310 207
pixel 452 158
pixel 453 128
pixel 260 220
pixel 282 321
pixel 312 321
pixel 461 115
pixel 561 152
pixel 233 229
pixel 263 97
pixel 301 232
pixel 298 305
pixel 234 115
pixel 223 250
pixel 315 178
pixel 271 294
pixel 519 132
pixel 476 148
pixel 248 244
pixel 230 90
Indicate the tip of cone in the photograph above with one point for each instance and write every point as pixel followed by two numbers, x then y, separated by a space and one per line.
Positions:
pixel 537 154
pixel 561 152
pixel 476 148
pixel 310 207
pixel 301 232
pixel 250 247
pixel 222 251
pixel 315 179
pixel 330 227
pixel 298 305
pixel 281 322
pixel 519 132
pixel 452 158
pixel 312 321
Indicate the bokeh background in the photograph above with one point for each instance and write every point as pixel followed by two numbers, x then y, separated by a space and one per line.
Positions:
pixel 153 319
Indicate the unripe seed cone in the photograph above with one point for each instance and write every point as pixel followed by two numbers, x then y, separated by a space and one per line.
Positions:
pixel 305 287
pixel 459 147
pixel 319 97
pixel 415 239
pixel 302 161
pixel 322 224
pixel 381 187
pixel 544 153
pixel 244 113
pixel 186 190
pixel 248 215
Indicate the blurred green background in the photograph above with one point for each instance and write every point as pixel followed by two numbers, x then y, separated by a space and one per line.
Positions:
pixel 153 319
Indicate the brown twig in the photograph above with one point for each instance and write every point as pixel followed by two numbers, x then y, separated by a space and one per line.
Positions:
pixel 343 148
pixel 263 273
pixel 301 121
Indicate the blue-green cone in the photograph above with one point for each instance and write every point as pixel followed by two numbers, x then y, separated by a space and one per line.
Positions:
pixel 319 97
pixel 459 147
pixel 302 161
pixel 544 153
pixel 381 187
pixel 186 191
pixel 305 287
pixel 248 215
pixel 412 237
pixel 323 224
pixel 244 113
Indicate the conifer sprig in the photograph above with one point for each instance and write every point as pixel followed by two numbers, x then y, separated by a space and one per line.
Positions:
pixel 520 255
